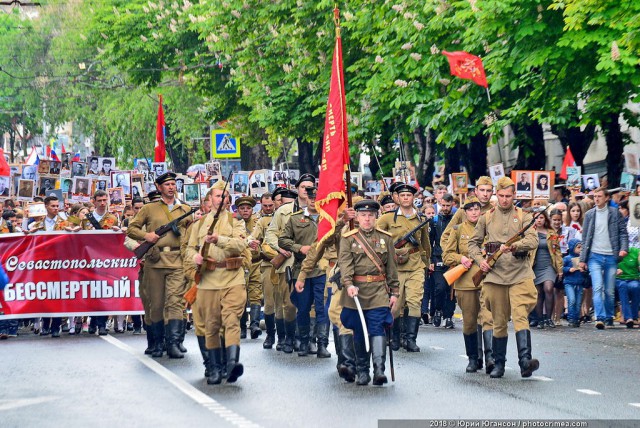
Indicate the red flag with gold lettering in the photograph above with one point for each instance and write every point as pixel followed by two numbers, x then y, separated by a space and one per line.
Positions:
pixel 335 148
pixel 467 66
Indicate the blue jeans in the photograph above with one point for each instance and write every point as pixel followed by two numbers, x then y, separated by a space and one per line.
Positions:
pixel 629 290
pixel 313 293
pixel 574 301
pixel 603 276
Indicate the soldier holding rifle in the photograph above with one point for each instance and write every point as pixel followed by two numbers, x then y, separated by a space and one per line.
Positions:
pixel 508 287
pixel 163 264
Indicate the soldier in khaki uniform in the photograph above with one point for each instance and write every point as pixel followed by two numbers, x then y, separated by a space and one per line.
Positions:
pixel 284 308
pixel 255 240
pixel 412 262
pixel 455 254
pixel 300 233
pixel 483 191
pixel 221 292
pixel 508 287
pixel 163 265
pixel 369 272
pixel 254 284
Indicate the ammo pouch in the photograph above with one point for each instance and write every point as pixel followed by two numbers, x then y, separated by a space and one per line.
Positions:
pixel 403 257
pixel 153 255
pixel 521 255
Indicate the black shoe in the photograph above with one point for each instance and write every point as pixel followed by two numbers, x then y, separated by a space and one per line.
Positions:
pixel 489 363
pixel 533 323
pixel 137 331
pixel 92 329
pixel 378 355
pixel 471 347
pixel 55 333
pixel 254 325
pixel 541 324
pixel 599 325
pixel 411 326
pixel 172 337
pixel 550 323
pixel 45 332
pixel 213 372
pixel 609 322
pixel 323 340
pixel 234 368
pixel 102 331
pixel 425 319
pixel 290 332
pixel 448 323
pixel 270 323
pixel 527 364
pixel 347 369
pixel 280 333
pixel 500 356
pixel 437 319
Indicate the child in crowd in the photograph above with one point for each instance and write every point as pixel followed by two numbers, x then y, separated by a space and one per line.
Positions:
pixel 628 286
pixel 574 281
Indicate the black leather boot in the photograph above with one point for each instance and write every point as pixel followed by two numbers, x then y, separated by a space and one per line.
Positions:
pixel 150 340
pixel 323 340
pixel 471 346
pixel 214 376
pixel 411 326
pixel 254 324
pixel 158 334
pixel 280 332
pixel 489 362
pixel 499 356
pixel 479 339
pixel 395 334
pixel 172 336
pixel 243 324
pixel 348 369
pixel 313 336
pixel 234 368
pixel 338 345
pixel 270 323
pixel 205 354
pixel 183 332
pixel 223 350
pixel 362 363
pixel 378 355
pixel 304 330
pixel 290 336
pixel 527 364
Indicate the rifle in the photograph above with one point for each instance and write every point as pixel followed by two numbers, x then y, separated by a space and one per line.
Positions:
pixel 97 226
pixel 161 231
pixel 289 277
pixel 409 236
pixel 205 248
pixel 493 258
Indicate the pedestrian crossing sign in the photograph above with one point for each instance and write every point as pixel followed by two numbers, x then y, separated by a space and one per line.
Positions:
pixel 223 145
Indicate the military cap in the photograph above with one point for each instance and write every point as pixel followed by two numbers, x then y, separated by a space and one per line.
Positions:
pixel 355 199
pixel 470 203
pixel 246 200
pixel 219 185
pixel 394 186
pixel 367 205
pixel 386 200
pixel 285 193
pixel 167 176
pixel 484 181
pixel 503 183
pixel 306 177
pixel 406 188
pixel 153 195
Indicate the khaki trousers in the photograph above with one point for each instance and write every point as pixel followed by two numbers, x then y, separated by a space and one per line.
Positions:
pixel 254 285
pixel 222 308
pixel 515 301
pixel 165 288
pixel 411 292
pixel 268 290
pixel 284 307
pixel 144 295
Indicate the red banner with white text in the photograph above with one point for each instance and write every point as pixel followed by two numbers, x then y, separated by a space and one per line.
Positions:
pixel 68 274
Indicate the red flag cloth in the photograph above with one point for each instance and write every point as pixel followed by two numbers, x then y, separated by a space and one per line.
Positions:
pixel 48 152
pixel 568 161
pixel 466 66
pixel 54 156
pixel 335 151
pixel 63 149
pixel 4 166
pixel 160 148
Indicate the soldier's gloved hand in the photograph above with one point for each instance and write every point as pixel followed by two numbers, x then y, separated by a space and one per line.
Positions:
pixel 197 259
pixel 352 291
pixel 299 286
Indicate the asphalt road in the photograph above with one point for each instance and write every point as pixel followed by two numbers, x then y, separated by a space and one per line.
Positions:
pixel 92 381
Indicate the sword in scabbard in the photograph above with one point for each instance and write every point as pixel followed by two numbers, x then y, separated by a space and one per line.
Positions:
pixel 364 324
pixel 393 372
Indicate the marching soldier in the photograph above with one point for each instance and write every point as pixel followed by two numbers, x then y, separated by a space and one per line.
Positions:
pixel 387 204
pixel 455 254
pixel 508 288
pixel 442 301
pixel 483 191
pixel 163 264
pixel 368 268
pixel 411 260
pixel 245 206
pixel 222 295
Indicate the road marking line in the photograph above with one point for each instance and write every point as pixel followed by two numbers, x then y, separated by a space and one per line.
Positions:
pixel 589 391
pixel 508 368
pixel 8 404
pixel 187 389
pixel 437 348
pixel 634 404
pixel 463 356
pixel 542 378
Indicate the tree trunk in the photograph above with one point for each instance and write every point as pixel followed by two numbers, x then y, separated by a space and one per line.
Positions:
pixel 12 144
pixel 532 154
pixel 577 140
pixel 425 144
pixel 306 157
pixel 255 157
pixel 476 161
pixel 451 161
pixel 615 147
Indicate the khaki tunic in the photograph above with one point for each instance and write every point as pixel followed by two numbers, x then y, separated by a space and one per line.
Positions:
pixel 275 229
pixel 456 246
pixel 40 225
pixel 266 268
pixel 106 222
pixel 254 283
pixel 299 231
pixel 353 261
pixel 398 226
pixel 459 217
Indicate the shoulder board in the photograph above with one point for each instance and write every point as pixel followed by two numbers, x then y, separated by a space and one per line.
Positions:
pixel 297 212
pixel 456 227
pixel 349 233
pixel 383 232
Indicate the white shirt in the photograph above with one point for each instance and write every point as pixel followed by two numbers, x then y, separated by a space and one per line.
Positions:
pixel 49 224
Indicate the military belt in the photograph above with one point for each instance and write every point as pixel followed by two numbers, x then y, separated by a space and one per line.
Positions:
pixel 369 278
pixel 168 249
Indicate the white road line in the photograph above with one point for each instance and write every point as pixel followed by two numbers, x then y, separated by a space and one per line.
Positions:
pixel 8 404
pixel 542 378
pixel 589 391
pixel 463 356
pixel 437 348
pixel 187 389
pixel 634 404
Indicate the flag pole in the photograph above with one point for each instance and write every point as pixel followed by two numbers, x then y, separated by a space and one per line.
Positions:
pixel 488 95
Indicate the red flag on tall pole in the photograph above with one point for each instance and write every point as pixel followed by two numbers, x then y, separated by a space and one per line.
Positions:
pixel 160 148
pixel 335 147
pixel 568 161
pixel 4 166
pixel 467 66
